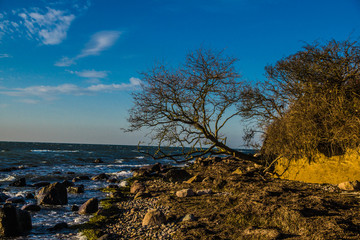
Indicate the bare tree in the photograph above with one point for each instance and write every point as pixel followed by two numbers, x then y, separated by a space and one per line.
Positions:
pixel 189 106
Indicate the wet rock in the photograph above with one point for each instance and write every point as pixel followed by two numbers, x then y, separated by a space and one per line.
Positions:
pixel 154 217
pixel 70 173
pixel 89 207
pixel 54 194
pixel 15 200
pixel 59 226
pixel 76 189
pixel 57 172
pixel 40 184
pixel 185 193
pixel 29 196
pixel 102 176
pixel 176 175
pixel 80 178
pixel 18 183
pixel 3 197
pixel 204 192
pixel 74 208
pixel 13 221
pixel 31 207
pixel 137 187
pixel 349 186
pixel 261 233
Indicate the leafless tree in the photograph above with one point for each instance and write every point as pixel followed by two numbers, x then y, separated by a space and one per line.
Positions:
pixel 189 106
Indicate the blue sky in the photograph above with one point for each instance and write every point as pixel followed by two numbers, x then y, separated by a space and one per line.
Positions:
pixel 68 67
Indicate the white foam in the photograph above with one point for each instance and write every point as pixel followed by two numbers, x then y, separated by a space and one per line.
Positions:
pixel 7 178
pixel 119 160
pixel 55 151
pixel 122 174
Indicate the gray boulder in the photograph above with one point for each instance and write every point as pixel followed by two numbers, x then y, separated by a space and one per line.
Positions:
pixel 54 194
pixel 13 221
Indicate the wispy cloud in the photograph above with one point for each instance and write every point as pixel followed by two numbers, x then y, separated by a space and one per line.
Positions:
pixel 98 43
pixel 90 73
pixel 51 92
pixel 50 27
pixel 4 55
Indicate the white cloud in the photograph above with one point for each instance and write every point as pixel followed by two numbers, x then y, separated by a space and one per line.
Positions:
pixel 91 74
pixel 50 92
pixel 98 43
pixel 50 27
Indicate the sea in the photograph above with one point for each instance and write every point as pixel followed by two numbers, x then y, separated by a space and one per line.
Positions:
pixel 56 162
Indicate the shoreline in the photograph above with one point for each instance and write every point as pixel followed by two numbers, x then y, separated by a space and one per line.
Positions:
pixel 230 199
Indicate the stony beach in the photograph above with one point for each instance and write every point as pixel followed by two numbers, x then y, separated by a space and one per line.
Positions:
pixel 223 198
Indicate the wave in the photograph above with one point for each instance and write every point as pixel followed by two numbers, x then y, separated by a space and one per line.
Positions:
pixel 53 151
pixel 7 178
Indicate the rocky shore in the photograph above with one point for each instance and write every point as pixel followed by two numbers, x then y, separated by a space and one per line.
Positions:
pixel 223 198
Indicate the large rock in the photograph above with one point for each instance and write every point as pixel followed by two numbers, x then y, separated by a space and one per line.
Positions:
pixel 154 217
pixel 13 221
pixel 89 207
pixel 54 194
pixel 349 186
pixel 177 175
